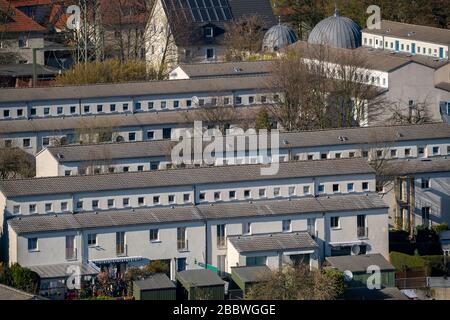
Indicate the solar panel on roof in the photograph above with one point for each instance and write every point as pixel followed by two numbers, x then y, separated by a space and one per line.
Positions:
pixel 208 10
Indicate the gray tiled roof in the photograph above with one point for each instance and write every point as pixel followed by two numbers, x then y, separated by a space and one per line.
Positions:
pixel 159 148
pixel 154 282
pixel 133 89
pixel 181 177
pixel 412 32
pixel 238 68
pixel 250 274
pixel 199 278
pixel 9 293
pixel 416 166
pixel 62 270
pixel 113 120
pixel 149 216
pixel 360 263
pixel 273 242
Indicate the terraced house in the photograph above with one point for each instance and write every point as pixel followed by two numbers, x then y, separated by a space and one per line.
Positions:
pixel 198 216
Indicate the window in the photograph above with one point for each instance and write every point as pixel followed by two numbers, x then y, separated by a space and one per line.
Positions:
pixel 262 193
pixel 32 208
pixel 132 136
pixel 155 199
pixel 209 53
pixel 150 135
pixel 154 234
pixel 238 100
pixel 138 106
pixel 365 186
pixel 33 111
pixel 221 264
pixel 351 154
pixel 286 225
pixel 247 228
pixel 167 133
pixel 125 107
pixel 436 151
pixel 181 264
pixel 255 261
pixel 171 198
pixel 46 111
pixel 232 194
pixel 87 109
pixel 188 103
pixel 60 110
pixel 217 195
pixel 336 187
pixel 393 153
pixel 310 157
pixel 247 194
pixel 209 32
pixel 251 100
pixel 94 204
pixel 92 239
pixel 361 226
pixel 323 156
pixel 426 216
pixel 334 222
pixel 71 253
pixel 48 207
pixel 16 209
pixel 46 141
pixel 263 99
pixel 186 197
pixel 8 143
pixel 120 243
pixel 126 202
pixel 276 192
pixel 112 107
pixel 338 155
pixel 311 226
pixel 110 203
pixel 306 190
pixel 68 173
pixel 226 101
pixel 64 206
pixel 181 238
pixel 321 188
pixel 421 151
pixel 425 183
pixel 79 205
pixel 221 241
pixel 32 244
pixel 176 104
pixel 99 108
pixel 26 143
pixel 201 102
pixel 365 153
pixel 141 201
pixel 202 196
pixel 140 168
pixel 291 191
pixel 448 150
pixel 407 152
pixel 163 104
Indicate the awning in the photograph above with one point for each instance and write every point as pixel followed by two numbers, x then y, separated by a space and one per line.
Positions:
pixel 116 260
pixel 347 243
pixel 64 270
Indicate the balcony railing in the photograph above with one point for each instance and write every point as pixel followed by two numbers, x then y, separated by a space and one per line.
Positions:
pixel 363 232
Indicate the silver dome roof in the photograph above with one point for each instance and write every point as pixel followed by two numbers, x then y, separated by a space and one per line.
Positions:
pixel 336 31
pixel 277 37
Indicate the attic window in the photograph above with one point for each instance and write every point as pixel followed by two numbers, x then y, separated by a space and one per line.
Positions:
pixel 209 32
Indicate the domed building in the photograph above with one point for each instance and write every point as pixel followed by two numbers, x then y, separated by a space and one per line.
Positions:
pixel 278 37
pixel 337 31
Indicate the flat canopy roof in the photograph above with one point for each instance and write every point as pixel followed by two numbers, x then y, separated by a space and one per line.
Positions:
pixel 273 242
pixel 250 274
pixel 155 282
pixel 199 278
pixel 360 263
pixel 63 270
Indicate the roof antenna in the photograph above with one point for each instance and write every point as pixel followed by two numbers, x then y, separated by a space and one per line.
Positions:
pixel 336 10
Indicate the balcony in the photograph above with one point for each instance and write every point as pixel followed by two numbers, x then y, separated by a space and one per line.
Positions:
pixel 71 254
pixel 182 245
pixel 121 250
pixel 362 232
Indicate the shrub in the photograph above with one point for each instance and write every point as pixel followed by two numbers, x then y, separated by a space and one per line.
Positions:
pixel 403 261
pixel 24 279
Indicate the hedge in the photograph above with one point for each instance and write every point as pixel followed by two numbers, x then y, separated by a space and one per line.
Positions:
pixel 433 265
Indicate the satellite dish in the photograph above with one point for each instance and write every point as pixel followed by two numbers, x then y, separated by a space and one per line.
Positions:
pixel 195 100
pixel 355 249
pixel 348 276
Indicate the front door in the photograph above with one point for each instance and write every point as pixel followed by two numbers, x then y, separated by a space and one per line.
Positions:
pixel 413 48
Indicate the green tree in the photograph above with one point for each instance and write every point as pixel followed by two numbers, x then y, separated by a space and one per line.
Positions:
pixel 24 279
pixel 263 120
pixel 16 163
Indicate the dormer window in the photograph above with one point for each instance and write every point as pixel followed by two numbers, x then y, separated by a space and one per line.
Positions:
pixel 209 32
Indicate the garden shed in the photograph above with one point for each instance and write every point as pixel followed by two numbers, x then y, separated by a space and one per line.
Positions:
pixel 200 284
pixel 154 287
pixel 245 277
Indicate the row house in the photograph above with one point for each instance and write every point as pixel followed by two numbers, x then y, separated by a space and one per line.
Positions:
pixel 392 142
pixel 222 235
pixel 132 98
pixel 408 38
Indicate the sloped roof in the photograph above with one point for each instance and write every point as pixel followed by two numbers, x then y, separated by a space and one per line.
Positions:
pixel 416 166
pixel 9 293
pixel 199 278
pixel 181 177
pixel 221 69
pixel 155 282
pixel 412 32
pixel 19 21
pixel 360 263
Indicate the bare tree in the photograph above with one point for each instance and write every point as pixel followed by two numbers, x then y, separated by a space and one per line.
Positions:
pixel 96 130
pixel 16 163
pixel 243 37
pixel 410 113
